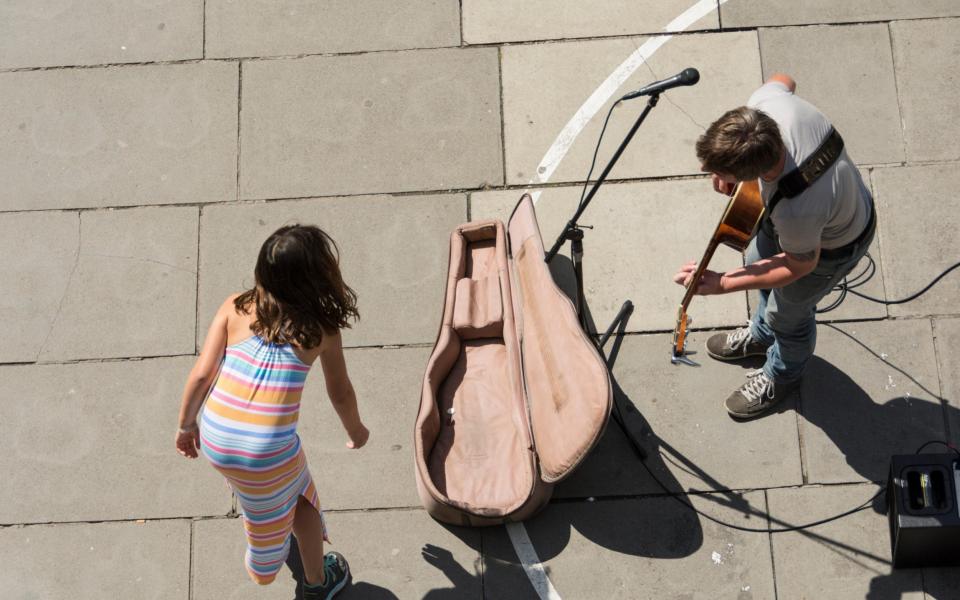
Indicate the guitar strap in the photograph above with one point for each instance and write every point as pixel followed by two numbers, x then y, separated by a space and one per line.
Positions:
pixel 797 181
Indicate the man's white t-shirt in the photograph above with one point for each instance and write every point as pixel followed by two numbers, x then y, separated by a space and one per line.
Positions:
pixel 834 210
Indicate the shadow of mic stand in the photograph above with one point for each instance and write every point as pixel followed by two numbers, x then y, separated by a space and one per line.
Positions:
pixel 574 232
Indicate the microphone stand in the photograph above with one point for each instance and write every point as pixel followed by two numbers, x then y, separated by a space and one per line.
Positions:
pixel 574 232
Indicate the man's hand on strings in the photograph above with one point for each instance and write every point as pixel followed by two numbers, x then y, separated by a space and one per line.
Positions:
pixel 710 282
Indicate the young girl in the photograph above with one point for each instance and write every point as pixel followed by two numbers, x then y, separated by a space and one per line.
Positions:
pixel 254 361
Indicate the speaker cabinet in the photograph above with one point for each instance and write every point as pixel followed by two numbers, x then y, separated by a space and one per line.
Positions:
pixel 924 513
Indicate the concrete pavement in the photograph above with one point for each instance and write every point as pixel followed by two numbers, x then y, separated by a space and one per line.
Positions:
pixel 149 148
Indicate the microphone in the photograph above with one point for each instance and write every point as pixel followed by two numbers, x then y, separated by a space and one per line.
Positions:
pixel 686 77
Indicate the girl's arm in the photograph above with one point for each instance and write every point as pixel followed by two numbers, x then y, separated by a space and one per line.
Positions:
pixel 201 377
pixel 340 390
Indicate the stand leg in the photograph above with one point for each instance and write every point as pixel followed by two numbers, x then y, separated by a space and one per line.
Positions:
pixel 620 322
pixel 625 311
pixel 576 257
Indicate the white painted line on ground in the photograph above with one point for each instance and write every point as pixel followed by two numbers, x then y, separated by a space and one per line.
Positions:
pixel 551 160
pixel 531 562
pixel 561 145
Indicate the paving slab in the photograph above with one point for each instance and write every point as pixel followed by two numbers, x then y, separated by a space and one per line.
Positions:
pixel 946 334
pixel 97 560
pixel 858 94
pixel 544 85
pixel 393 253
pixel 131 290
pixel 269 28
pixel 692 435
pixel 118 136
pixel 64 32
pixel 385 122
pixel 489 21
pixel 643 233
pixel 392 554
pixel 912 200
pixel 94 441
pixel 39 253
pixel 381 474
pixel 753 13
pixel 925 53
pixel 639 548
pixel 871 391
pixel 844 559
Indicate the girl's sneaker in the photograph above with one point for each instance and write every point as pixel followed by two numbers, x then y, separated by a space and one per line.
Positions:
pixel 336 573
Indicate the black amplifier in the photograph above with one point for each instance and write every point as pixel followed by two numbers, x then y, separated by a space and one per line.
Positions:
pixel 922 503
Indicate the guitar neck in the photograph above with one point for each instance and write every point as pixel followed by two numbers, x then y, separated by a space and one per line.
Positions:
pixel 701 267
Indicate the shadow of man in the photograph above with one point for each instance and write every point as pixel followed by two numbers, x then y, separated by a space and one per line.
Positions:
pixel 865 430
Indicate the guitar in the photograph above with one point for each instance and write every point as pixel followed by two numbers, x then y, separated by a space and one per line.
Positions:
pixel 736 228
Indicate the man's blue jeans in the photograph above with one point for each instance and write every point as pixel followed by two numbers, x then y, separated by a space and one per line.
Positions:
pixel 786 317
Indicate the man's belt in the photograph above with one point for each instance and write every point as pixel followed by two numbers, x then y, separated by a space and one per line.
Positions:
pixel 847 249
pixel 798 180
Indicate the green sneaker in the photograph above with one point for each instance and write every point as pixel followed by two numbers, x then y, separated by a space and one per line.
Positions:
pixel 336 574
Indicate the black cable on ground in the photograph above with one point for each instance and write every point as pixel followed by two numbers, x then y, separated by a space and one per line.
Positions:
pixel 947 444
pixel 850 285
pixel 857 509
pixel 690 506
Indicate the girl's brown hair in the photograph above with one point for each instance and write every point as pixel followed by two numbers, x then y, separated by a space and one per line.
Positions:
pixel 299 294
pixel 744 142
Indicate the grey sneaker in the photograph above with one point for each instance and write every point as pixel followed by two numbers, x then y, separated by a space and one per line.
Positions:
pixel 735 345
pixel 757 396
pixel 336 573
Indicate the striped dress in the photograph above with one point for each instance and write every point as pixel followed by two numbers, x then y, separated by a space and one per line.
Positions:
pixel 248 431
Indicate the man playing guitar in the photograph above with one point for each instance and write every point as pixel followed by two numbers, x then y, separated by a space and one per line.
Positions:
pixel 819 223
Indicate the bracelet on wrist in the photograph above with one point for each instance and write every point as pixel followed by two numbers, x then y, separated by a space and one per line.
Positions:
pixel 188 428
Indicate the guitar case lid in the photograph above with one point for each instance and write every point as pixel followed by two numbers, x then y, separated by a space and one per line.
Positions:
pixel 569 395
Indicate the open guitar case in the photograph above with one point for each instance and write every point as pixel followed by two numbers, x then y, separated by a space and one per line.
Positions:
pixel 515 394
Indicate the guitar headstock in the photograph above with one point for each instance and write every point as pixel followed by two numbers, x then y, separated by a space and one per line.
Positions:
pixel 680 333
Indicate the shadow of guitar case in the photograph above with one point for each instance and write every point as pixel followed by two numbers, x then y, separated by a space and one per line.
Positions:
pixel 515 394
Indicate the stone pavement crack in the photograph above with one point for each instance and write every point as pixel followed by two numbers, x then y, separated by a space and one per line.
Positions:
pixel 66 288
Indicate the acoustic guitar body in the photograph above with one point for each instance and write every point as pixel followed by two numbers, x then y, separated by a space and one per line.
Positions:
pixel 742 217
pixel 737 227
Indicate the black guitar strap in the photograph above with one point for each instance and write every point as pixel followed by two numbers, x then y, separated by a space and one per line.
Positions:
pixel 797 181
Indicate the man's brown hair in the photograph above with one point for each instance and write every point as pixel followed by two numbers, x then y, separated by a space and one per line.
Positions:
pixel 744 142
pixel 299 294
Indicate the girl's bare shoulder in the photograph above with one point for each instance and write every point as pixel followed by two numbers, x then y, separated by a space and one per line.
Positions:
pixel 238 322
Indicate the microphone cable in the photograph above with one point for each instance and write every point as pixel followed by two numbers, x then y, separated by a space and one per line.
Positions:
pixel 596 150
